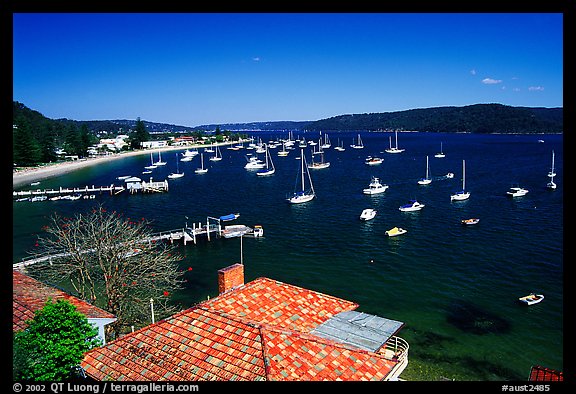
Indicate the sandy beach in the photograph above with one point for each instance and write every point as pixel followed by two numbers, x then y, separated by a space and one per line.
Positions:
pixel 30 175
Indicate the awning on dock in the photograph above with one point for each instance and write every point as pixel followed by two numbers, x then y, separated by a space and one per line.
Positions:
pixel 362 330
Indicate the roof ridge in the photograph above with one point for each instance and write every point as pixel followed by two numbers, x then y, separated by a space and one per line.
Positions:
pixel 264 278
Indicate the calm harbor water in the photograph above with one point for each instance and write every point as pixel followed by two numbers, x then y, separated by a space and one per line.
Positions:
pixel 455 287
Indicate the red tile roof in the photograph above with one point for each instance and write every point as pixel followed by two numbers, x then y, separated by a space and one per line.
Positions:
pixel 30 295
pixel 286 306
pixel 259 331
pixel 543 374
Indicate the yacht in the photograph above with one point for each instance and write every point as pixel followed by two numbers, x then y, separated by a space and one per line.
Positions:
pixel 516 191
pixel 375 187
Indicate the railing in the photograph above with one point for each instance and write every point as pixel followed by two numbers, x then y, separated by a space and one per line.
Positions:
pixel 396 349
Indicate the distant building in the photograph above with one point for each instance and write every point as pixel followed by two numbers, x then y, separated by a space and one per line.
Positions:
pixel 260 330
pixel 30 295
pixel 154 144
pixel 114 144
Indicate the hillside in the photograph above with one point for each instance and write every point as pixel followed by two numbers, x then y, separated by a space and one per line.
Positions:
pixel 478 118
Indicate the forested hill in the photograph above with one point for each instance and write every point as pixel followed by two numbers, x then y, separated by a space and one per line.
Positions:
pixel 478 118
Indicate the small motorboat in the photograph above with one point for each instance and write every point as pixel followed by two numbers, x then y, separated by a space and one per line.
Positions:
pixel 412 206
pixel 395 231
pixel 531 298
pixel 516 192
pixel 372 161
pixel 368 214
pixel 232 216
pixel 470 221
pixel 450 175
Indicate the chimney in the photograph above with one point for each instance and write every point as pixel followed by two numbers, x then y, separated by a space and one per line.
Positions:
pixel 230 277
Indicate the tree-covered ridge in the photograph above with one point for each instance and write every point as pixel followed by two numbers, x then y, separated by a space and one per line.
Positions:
pixel 37 138
pixel 478 118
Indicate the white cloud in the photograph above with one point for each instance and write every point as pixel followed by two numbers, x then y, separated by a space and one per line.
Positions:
pixel 490 81
pixel 473 72
pixel 535 88
pixel 256 59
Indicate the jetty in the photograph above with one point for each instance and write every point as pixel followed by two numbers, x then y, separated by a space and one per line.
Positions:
pixel 132 185
pixel 209 230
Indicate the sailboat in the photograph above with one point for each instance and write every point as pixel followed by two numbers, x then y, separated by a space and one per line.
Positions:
pixel 326 143
pixel 160 162
pixel 176 174
pixel 201 170
pixel 217 155
pixel 359 144
pixel 394 149
pixel 321 164
pixel 302 194
pixel 551 185
pixel 441 153
pixel 340 146
pixel 427 180
pixel 463 194
pixel 283 152
pixel 269 169
pixel 152 164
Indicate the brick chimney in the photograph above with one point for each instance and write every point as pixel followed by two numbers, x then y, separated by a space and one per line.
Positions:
pixel 230 277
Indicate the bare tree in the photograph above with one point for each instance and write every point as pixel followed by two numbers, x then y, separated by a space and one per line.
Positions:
pixel 112 262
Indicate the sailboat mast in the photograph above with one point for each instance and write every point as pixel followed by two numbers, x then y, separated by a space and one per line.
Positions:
pixel 463 175
pixel 302 162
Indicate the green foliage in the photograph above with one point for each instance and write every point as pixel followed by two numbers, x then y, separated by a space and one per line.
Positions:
pixel 478 118
pixel 140 135
pixel 54 342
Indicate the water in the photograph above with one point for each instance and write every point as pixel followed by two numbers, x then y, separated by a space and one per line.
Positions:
pixel 454 286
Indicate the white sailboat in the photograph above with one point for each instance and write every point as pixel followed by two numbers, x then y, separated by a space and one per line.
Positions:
pixel 426 180
pixel 176 174
pixel 394 149
pixel 201 170
pixel 359 144
pixel 340 146
pixel 321 164
pixel 160 162
pixel 551 185
pixel 463 194
pixel 152 164
pixel 283 152
pixel 302 194
pixel 326 143
pixel 217 155
pixel 441 153
pixel 269 169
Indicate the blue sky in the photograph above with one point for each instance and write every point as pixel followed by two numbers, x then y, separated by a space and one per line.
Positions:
pixel 201 68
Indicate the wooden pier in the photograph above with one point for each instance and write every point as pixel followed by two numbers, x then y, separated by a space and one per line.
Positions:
pixel 185 234
pixel 135 186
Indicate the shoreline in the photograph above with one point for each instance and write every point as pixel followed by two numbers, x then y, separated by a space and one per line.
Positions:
pixel 30 175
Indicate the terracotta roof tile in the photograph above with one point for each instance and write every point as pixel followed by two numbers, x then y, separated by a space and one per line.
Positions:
pixel 197 352
pixel 30 295
pixel 259 331
pixel 283 305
